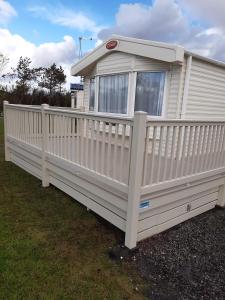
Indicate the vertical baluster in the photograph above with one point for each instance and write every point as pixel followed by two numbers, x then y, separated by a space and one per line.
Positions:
pixel 86 142
pixel 210 133
pixel 191 150
pixel 65 133
pixel 122 152
pixel 173 148
pixel 178 149
pixel 145 168
pixel 32 127
pixel 183 156
pixel 89 125
pixel 24 127
pixel 59 134
pixel 82 141
pixel 62 125
pixel 114 166
pixel 77 140
pixel 97 147
pixel 167 141
pixel 72 139
pixel 215 145
pixel 28 126
pixel 92 144
pixel 109 150
pixel 210 164
pixel 69 138
pixel 103 154
pixel 129 132
pixel 196 149
pixel 158 169
pixel 56 143
pixel 152 160
pixel 53 136
pixel 220 156
pixel 22 122
pixel 203 147
pixel 221 144
pixel 211 147
pixel 36 129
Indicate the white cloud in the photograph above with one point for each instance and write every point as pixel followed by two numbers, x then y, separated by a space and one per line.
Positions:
pixel 163 20
pixel 62 53
pixel 66 17
pixel 197 25
pixel 211 11
pixel 7 11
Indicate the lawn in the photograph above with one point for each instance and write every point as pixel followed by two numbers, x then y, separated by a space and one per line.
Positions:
pixel 51 247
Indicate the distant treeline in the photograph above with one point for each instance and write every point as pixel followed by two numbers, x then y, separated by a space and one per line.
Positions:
pixel 33 86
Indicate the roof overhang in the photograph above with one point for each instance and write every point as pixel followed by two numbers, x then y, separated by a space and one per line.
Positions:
pixel 154 50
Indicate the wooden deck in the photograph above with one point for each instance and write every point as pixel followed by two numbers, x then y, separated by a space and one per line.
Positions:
pixel 142 176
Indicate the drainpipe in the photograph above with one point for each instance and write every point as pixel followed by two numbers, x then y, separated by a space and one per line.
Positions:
pixel 186 87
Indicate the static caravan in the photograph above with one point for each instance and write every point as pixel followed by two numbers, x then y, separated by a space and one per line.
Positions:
pixel 148 150
pixel 124 75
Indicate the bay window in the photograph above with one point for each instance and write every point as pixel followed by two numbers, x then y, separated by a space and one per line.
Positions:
pixel 150 92
pixel 112 95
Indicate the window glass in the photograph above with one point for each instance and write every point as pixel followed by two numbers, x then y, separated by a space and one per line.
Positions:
pixel 92 94
pixel 149 92
pixel 113 91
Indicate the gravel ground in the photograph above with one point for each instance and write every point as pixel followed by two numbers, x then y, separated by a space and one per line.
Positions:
pixel 185 262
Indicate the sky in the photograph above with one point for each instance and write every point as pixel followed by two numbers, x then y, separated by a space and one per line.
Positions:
pixel 48 31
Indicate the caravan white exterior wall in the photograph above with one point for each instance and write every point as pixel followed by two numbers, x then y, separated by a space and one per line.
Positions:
pixel 193 86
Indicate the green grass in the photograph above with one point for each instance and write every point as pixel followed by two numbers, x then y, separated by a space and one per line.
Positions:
pixel 51 247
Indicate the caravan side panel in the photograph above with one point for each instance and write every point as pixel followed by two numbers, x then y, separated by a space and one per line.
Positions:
pixel 174 91
pixel 206 96
pixel 86 92
pixel 114 63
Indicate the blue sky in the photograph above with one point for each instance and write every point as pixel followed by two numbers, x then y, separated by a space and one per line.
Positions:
pixel 37 29
pixel 48 31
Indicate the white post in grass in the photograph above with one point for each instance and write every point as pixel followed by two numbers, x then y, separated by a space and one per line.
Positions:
pixel 7 153
pixel 135 178
pixel 45 181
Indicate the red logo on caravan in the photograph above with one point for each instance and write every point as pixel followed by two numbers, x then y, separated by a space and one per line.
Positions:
pixel 111 45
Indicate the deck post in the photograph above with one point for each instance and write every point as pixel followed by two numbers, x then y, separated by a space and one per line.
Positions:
pixel 45 181
pixel 221 195
pixel 135 178
pixel 7 153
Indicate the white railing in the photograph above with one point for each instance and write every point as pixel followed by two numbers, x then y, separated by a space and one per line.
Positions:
pixel 133 156
pixel 24 123
pixel 100 144
pixel 177 148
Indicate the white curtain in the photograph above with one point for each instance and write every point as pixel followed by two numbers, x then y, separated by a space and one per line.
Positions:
pixel 149 92
pixel 113 91
pixel 92 94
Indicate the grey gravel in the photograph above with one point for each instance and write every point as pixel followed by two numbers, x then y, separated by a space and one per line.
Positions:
pixel 185 262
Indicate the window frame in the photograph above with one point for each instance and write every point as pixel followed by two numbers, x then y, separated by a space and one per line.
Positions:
pixel 132 83
pixel 163 113
pixel 97 94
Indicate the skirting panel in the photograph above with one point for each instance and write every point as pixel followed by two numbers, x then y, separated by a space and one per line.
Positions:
pixel 173 208
pixel 26 160
pixel 104 212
